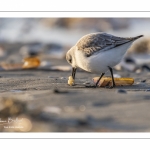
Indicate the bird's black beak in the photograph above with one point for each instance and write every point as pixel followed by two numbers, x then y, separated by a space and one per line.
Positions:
pixel 73 72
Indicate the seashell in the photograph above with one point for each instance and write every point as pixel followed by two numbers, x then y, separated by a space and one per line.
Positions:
pixel 31 62
pixel 107 81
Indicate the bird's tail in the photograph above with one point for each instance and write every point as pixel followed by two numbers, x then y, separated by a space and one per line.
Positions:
pixel 137 37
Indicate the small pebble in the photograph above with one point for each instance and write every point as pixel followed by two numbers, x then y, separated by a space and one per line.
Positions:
pixel 58 91
pixel 117 76
pixel 121 91
pixel 87 82
pixel 129 60
pixel 118 67
pixel 143 80
pixel 63 78
pixel 138 71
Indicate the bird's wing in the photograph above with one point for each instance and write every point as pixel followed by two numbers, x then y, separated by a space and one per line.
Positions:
pixel 97 42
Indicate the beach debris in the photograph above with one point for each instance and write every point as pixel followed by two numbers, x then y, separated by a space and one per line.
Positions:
pixel 118 67
pixel 144 80
pixel 87 83
pixel 6 66
pixel 117 76
pixel 142 84
pixel 71 81
pixel 59 91
pixel 107 81
pixel 121 91
pixel 31 62
pixel 138 71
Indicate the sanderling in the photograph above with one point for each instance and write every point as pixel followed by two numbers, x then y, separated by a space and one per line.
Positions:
pixel 98 52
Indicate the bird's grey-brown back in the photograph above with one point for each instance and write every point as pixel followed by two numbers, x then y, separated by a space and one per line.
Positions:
pixel 98 42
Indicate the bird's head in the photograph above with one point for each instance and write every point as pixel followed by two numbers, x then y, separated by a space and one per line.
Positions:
pixel 70 57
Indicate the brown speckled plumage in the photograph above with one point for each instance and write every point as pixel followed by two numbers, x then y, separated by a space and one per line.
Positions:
pixel 97 42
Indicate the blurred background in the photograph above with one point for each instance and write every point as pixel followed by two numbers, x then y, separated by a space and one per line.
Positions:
pixel 52 37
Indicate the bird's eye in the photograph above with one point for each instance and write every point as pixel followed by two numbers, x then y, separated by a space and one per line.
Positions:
pixel 70 60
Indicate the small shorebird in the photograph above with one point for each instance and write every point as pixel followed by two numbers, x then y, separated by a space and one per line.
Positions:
pixel 98 52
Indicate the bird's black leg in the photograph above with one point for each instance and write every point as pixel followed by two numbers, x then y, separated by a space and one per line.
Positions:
pixel 74 72
pixel 99 79
pixel 113 81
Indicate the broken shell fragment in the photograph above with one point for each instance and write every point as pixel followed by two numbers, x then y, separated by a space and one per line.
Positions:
pixel 31 62
pixel 71 81
pixel 107 81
